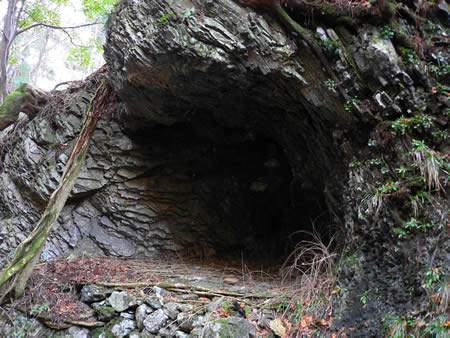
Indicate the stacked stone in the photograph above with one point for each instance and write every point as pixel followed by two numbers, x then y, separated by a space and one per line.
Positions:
pixel 156 315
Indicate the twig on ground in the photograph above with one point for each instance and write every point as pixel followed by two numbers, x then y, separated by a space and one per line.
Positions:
pixel 183 288
pixel 66 323
pixel 10 319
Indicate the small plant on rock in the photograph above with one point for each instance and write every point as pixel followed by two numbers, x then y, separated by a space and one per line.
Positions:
pixel 441 68
pixel 333 45
pixel 365 297
pixel 430 163
pixel 37 309
pixel 409 56
pixel 387 32
pixel 397 326
pixel 432 276
pixel 350 103
pixel 404 124
pixel 164 19
pixel 331 84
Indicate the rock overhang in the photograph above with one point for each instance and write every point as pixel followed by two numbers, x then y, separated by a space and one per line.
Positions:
pixel 225 75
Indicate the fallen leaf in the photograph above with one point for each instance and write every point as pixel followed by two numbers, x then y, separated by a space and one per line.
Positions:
pixel 324 322
pixel 230 280
pixel 435 298
pixel 277 327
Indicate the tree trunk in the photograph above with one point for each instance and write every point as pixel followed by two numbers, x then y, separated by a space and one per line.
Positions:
pixel 14 278
pixel 9 33
pixel 44 37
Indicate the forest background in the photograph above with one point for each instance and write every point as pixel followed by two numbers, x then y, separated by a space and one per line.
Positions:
pixel 48 42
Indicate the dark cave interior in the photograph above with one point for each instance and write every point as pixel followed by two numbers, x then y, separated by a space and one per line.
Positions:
pixel 244 183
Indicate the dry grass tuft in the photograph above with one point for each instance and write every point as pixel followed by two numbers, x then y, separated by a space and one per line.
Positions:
pixel 444 295
pixel 312 266
pixel 429 167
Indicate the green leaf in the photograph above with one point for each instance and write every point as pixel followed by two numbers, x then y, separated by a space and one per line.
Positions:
pixel 95 9
pixel 80 56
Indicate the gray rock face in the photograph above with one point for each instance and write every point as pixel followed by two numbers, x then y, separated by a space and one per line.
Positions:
pixel 172 310
pixel 154 301
pixel 141 313
pixel 144 190
pixel 160 292
pixel 123 327
pixel 155 321
pixel 35 165
pixel 77 332
pixel 188 321
pixel 229 76
pixel 121 301
pixel 104 312
pixel 226 327
pixel 90 294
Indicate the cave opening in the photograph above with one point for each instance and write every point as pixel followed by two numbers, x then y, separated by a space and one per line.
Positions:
pixel 243 199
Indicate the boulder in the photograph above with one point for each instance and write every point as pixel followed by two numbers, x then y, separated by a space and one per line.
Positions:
pixel 155 321
pixel 226 327
pixel 90 294
pixel 121 301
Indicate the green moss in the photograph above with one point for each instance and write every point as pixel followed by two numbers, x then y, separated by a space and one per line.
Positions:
pixel 352 62
pixel 225 327
pixel 390 11
pixel 97 332
pixel 7 109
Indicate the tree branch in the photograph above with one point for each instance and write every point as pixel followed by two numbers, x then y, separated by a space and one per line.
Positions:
pixel 19 14
pixel 20 31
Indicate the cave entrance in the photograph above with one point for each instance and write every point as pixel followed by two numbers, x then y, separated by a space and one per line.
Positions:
pixel 233 193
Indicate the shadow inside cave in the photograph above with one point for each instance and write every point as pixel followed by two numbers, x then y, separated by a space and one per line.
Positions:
pixel 232 194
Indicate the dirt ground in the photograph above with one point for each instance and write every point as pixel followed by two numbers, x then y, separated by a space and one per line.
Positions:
pixel 54 292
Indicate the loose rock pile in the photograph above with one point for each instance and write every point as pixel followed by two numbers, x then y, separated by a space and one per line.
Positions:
pixel 104 297
pixel 161 314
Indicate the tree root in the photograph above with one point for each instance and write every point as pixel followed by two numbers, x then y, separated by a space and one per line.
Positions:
pixel 16 275
pixel 306 36
pixel 11 320
pixel 179 287
pixel 332 11
pixel 66 323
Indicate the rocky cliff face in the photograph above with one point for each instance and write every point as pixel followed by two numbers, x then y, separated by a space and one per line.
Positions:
pixel 230 134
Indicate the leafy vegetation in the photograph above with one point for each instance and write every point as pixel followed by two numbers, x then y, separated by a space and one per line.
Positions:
pixel 432 276
pixel 38 309
pixel 403 125
pixel 41 20
pixel 351 103
pixel 330 83
pixel 333 45
pixel 415 326
pixel 409 56
pixel 405 171
pixel 365 297
pixel 387 32
pixel 164 19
